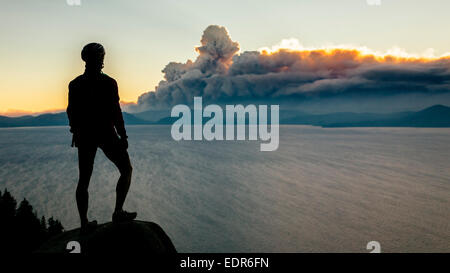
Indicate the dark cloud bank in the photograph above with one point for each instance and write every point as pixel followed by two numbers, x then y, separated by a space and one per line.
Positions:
pixel 315 80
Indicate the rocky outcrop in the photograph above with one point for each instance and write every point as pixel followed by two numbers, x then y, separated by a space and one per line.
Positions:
pixel 128 237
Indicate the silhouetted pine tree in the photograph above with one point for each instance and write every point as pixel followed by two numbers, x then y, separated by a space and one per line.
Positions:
pixel 43 229
pixel 7 226
pixel 43 223
pixel 54 227
pixel 20 229
pixel 28 227
pixel 7 206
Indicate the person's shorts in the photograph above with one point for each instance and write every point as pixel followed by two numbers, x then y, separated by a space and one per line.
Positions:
pixel 112 147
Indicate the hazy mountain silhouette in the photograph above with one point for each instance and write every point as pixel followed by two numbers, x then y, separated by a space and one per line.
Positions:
pixel 57 119
pixel 434 116
pixel 153 115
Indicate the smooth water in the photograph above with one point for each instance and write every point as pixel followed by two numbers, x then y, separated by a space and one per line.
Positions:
pixel 322 190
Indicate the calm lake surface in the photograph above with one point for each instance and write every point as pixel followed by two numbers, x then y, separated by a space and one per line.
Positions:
pixel 323 190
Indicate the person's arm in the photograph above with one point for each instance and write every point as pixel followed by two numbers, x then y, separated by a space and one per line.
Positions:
pixel 117 113
pixel 72 115
pixel 71 108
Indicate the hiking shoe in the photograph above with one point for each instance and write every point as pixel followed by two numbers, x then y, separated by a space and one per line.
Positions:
pixel 88 228
pixel 123 216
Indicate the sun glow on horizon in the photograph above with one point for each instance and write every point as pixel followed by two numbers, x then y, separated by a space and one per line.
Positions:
pixel 21 112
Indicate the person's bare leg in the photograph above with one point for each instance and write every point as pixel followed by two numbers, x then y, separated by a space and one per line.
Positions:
pixel 82 197
pixel 119 156
pixel 86 157
pixel 123 185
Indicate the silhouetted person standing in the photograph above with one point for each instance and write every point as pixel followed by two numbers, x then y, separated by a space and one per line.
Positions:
pixel 95 120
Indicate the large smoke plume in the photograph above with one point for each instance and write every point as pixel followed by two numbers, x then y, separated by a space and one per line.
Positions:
pixel 220 74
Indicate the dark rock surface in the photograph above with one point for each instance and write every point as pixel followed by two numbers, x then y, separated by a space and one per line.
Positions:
pixel 129 237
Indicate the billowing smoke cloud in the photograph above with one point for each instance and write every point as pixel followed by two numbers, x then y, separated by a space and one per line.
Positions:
pixel 220 74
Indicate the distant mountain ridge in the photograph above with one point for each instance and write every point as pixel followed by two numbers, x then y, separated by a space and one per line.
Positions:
pixel 56 119
pixel 434 116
